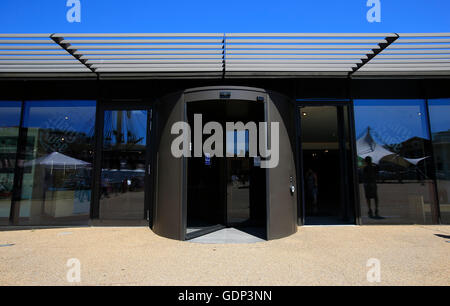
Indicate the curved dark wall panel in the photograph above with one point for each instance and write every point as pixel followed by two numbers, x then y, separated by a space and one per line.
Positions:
pixel 282 203
pixel 167 213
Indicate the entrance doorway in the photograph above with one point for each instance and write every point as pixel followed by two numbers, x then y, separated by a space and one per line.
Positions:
pixel 195 195
pixel 123 176
pixel 326 159
pixel 226 191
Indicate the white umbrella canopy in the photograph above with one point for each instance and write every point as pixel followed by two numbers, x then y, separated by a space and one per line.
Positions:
pixel 367 146
pixel 397 159
pixel 415 161
pixel 57 160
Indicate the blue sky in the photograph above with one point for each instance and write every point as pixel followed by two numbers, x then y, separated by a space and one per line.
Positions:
pixel 439 110
pixel 392 121
pixel 48 16
pixel 70 115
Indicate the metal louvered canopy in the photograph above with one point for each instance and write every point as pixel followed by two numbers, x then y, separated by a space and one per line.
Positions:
pixel 412 54
pixel 218 55
pixel 299 53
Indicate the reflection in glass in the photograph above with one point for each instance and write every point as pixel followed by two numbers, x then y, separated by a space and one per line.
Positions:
pixel 238 178
pixel 394 164
pixel 440 131
pixel 237 143
pixel 123 164
pixel 321 160
pixel 57 171
pixel 325 146
pixel 9 132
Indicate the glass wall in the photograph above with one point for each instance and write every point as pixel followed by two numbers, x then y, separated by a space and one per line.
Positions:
pixel 57 170
pixel 439 110
pixel 394 162
pixel 122 191
pixel 9 133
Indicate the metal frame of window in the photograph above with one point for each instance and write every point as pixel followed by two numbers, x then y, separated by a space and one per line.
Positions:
pixel 18 171
pixel 436 216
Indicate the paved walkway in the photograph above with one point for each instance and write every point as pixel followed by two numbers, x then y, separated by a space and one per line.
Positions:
pixel 409 255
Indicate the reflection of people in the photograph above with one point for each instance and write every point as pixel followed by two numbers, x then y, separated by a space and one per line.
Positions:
pixel 84 185
pixel 104 188
pixel 370 174
pixel 312 188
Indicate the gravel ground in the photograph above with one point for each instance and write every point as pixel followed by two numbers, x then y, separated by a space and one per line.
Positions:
pixel 409 255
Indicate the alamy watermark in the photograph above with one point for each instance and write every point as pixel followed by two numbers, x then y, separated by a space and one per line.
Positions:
pixel 74 273
pixel 74 12
pixel 214 146
pixel 374 13
pixel 374 273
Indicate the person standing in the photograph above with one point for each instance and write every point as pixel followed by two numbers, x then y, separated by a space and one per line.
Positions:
pixel 370 175
pixel 312 189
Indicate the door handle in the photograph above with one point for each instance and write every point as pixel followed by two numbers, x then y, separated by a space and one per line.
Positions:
pixel 292 188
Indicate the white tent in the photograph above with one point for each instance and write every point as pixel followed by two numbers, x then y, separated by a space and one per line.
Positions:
pixel 367 146
pixel 415 161
pixel 57 160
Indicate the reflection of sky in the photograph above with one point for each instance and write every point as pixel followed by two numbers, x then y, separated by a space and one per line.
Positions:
pixel 439 115
pixel 9 113
pixel 237 141
pixel 134 123
pixel 64 115
pixel 391 121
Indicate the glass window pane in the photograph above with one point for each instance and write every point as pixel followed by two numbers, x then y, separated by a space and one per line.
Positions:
pixel 56 182
pixel 394 161
pixel 440 132
pixel 123 165
pixel 9 132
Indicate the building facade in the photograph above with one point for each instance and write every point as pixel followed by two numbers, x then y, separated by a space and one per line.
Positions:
pixel 86 132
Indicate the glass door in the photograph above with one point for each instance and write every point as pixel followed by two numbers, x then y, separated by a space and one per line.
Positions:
pixel 124 164
pixel 238 178
pixel 326 160
pixel 229 190
pixel 9 135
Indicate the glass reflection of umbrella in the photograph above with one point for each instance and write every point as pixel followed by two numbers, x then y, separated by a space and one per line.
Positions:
pixel 57 160
pixel 402 161
pixel 367 146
